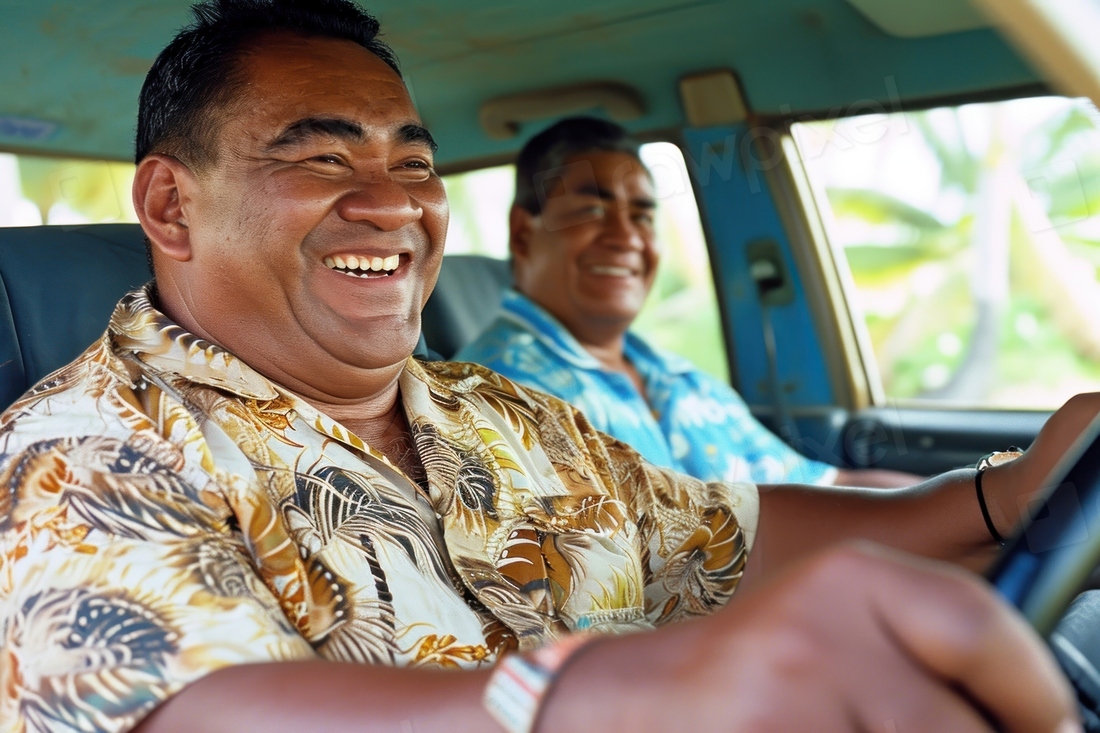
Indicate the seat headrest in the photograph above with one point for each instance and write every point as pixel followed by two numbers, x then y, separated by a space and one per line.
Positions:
pixel 465 301
pixel 58 287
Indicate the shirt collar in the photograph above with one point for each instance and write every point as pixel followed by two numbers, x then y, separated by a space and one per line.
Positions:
pixel 137 328
pixel 532 317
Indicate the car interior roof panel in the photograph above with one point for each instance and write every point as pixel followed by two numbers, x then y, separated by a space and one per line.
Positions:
pixel 791 55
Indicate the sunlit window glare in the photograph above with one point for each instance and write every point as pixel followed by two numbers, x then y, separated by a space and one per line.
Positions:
pixel 37 190
pixel 972 237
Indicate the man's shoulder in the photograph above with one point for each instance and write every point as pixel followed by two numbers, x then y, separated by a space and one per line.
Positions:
pixel 459 375
pixel 675 368
pixel 97 395
pixel 478 382
pixel 561 430
pixel 511 350
pixel 466 377
pixel 641 351
pixel 73 388
pixel 502 338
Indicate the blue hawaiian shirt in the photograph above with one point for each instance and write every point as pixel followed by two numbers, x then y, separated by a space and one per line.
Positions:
pixel 687 421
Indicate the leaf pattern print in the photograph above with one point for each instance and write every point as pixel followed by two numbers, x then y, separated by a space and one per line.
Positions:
pixel 72 649
pixel 700 570
pixel 130 489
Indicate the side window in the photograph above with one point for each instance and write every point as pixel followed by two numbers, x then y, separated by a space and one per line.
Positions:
pixel 969 241
pixel 37 190
pixel 681 314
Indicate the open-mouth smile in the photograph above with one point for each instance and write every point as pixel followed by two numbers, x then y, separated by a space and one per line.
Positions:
pixel 363 266
pixel 612 270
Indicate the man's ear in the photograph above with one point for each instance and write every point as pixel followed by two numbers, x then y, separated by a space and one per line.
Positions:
pixel 521 222
pixel 162 187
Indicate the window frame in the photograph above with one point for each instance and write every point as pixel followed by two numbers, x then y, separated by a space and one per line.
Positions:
pixel 845 340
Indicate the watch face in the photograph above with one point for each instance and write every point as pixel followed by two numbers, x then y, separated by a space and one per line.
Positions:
pixel 996 459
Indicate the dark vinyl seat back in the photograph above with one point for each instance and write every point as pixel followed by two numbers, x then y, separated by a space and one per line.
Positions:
pixel 465 301
pixel 58 287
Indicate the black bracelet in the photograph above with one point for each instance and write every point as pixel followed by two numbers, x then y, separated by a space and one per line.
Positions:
pixel 985 509
pixel 993 459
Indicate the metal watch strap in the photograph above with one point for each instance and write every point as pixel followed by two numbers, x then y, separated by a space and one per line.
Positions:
pixel 520 683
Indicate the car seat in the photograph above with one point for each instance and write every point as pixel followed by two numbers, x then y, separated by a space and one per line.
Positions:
pixel 58 287
pixel 465 301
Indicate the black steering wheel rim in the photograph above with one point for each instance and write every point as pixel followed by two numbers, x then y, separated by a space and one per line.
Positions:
pixel 1043 568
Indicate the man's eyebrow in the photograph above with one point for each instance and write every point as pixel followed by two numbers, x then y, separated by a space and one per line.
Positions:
pixel 592 189
pixel 596 190
pixel 307 128
pixel 414 134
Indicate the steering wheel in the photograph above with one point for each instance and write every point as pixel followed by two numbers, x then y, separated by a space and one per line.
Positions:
pixel 1044 566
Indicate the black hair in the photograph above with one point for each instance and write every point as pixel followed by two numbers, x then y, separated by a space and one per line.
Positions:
pixel 198 74
pixel 552 147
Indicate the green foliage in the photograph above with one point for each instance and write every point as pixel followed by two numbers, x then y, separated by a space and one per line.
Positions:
pixel 91 191
pixel 876 207
pixel 919 277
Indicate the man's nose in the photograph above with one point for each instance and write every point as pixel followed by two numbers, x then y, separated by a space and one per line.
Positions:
pixel 620 229
pixel 381 201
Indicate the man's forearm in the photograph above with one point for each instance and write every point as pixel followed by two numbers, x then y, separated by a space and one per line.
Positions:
pixel 838 643
pixel 882 478
pixel 938 518
pixel 1009 488
pixel 319 696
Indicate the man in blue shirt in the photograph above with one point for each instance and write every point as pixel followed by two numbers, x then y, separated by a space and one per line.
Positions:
pixel 584 258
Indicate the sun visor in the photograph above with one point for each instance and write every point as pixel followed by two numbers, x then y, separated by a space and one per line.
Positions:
pixel 1058 36
pixel 501 117
pixel 920 18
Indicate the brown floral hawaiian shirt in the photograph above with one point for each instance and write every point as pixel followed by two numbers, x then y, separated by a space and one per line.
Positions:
pixel 166 511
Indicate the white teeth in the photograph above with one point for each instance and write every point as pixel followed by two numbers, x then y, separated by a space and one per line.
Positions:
pixel 363 264
pixel 611 270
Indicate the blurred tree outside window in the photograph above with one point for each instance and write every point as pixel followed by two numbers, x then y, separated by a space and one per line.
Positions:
pixel 681 314
pixel 972 240
pixel 36 190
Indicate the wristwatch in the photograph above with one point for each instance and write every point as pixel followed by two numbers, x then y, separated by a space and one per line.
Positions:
pixel 521 682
